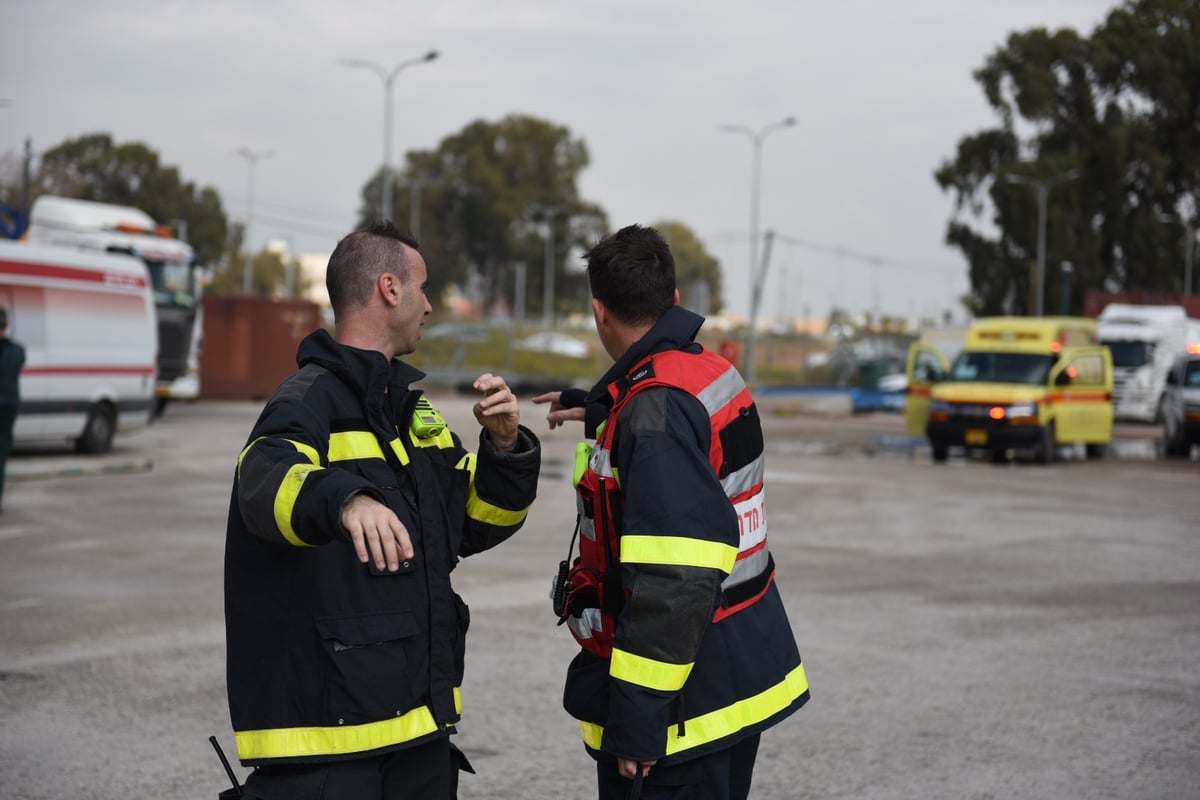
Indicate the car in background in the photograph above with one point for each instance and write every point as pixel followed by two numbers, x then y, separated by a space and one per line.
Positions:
pixel 1181 406
pixel 458 331
pixel 555 343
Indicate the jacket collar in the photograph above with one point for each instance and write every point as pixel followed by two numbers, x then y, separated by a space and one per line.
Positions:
pixel 674 330
pixel 368 371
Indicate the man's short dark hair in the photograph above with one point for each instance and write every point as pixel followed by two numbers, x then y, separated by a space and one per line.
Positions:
pixel 633 273
pixel 360 258
pixel 3 317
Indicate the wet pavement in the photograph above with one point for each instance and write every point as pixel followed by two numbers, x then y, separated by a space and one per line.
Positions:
pixel 970 631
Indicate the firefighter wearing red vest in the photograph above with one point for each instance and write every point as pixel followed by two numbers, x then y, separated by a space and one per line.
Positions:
pixel 686 654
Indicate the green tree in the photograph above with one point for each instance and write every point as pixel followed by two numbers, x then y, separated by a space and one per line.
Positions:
pixel 488 196
pixel 269 278
pixel 1120 108
pixel 695 267
pixel 272 272
pixel 94 167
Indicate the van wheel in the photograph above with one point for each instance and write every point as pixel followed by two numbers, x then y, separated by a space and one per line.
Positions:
pixel 1046 447
pixel 98 433
pixel 1096 450
pixel 999 456
pixel 939 451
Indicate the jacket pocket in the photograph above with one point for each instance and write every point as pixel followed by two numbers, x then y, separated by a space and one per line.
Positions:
pixel 585 695
pixel 372 663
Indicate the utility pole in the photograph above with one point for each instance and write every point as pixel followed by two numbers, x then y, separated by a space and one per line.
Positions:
pixel 388 77
pixel 1042 187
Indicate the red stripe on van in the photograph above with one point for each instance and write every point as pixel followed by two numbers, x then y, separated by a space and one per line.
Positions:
pixel 98 370
pixel 72 273
pixel 1080 397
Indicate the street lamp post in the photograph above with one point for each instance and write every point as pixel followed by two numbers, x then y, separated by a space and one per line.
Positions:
pixel 1043 189
pixel 756 140
pixel 252 157
pixel 1067 269
pixel 548 279
pixel 1189 247
pixel 388 77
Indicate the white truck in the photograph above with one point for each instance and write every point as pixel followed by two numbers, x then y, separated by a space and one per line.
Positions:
pixel 1145 341
pixel 169 264
pixel 88 325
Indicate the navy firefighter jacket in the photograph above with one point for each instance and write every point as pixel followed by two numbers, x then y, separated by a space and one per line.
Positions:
pixel 685 646
pixel 329 658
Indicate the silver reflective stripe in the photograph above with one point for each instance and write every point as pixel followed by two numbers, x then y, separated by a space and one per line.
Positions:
pixel 583 626
pixel 747 568
pixel 721 392
pixel 744 479
pixel 602 462
pixel 587 526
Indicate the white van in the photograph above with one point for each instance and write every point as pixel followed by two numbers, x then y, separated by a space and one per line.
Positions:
pixel 89 327
pixel 170 264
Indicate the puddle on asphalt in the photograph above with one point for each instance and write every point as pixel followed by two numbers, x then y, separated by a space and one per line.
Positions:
pixel 911 448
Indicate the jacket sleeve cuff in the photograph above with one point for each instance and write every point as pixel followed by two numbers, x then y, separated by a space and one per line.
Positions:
pixel 527 443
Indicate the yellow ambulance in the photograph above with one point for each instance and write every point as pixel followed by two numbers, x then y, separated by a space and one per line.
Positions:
pixel 1020 383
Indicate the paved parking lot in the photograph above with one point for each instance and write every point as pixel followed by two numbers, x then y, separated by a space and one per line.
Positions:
pixel 970 631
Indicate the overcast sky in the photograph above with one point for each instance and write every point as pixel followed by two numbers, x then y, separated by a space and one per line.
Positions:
pixel 881 91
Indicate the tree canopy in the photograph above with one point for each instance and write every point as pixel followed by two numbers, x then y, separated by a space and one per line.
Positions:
pixel 697 272
pixel 94 167
pixel 1110 125
pixel 490 194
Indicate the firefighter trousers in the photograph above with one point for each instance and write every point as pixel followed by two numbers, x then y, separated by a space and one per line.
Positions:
pixel 723 775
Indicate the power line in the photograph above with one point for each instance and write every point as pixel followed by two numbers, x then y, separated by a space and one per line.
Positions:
pixel 851 254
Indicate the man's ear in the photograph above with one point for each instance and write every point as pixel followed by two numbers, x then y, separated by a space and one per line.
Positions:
pixel 600 311
pixel 676 297
pixel 389 288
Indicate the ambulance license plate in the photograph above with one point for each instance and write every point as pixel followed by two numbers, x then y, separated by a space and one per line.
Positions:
pixel 976 437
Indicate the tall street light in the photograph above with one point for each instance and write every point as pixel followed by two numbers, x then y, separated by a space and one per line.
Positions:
pixel 1042 186
pixel 388 77
pixel 756 139
pixel 252 157
pixel 1189 247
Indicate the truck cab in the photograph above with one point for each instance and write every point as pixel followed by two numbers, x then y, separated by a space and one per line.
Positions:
pixel 1018 384
pixel 1145 341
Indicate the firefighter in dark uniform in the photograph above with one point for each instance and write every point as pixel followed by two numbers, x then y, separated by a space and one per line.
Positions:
pixel 686 653
pixel 351 505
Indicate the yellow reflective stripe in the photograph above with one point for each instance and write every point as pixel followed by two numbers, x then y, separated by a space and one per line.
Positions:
pixel 398 448
pixel 351 445
pixel 285 501
pixel 340 740
pixel 306 450
pixel 723 722
pixel 660 675
pixel 729 720
pixel 678 551
pixel 592 734
pixel 483 511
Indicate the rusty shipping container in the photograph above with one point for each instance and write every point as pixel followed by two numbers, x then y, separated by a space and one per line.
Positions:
pixel 250 344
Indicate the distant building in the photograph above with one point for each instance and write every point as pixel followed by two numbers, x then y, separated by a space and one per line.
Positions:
pixel 312 270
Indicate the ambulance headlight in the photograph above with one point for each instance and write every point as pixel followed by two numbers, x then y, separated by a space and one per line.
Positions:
pixel 1023 413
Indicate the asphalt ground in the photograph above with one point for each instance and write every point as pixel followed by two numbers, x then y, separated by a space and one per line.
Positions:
pixel 969 630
